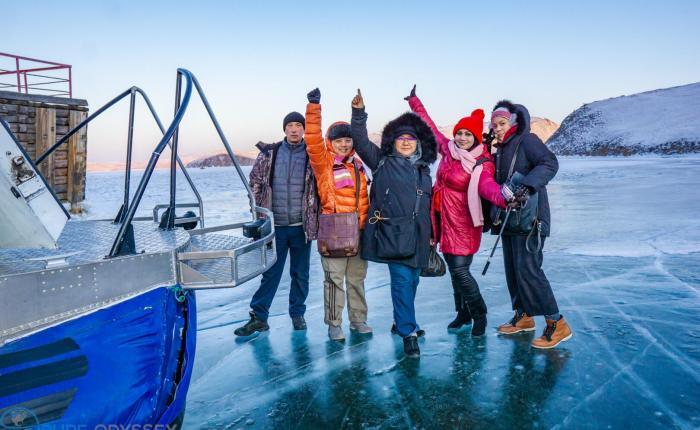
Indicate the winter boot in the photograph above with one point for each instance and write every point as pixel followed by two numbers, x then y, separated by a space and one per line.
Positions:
pixel 520 322
pixel 360 327
pixel 299 322
pixel 478 310
pixel 462 319
pixel 255 324
pixel 419 332
pixel 555 333
pixel 410 346
pixel 335 332
pixel 479 327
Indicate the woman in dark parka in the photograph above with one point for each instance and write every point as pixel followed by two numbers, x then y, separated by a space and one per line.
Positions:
pixel 399 207
pixel 530 291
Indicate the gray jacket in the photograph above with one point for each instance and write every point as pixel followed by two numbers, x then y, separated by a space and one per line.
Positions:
pixel 262 177
pixel 288 184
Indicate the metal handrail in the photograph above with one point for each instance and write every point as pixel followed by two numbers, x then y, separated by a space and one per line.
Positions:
pixel 170 138
pixel 251 197
pixel 181 104
pixel 263 243
pixel 131 92
pixel 172 129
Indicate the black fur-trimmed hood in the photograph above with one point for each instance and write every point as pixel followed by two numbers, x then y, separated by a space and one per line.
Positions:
pixel 423 133
pixel 522 113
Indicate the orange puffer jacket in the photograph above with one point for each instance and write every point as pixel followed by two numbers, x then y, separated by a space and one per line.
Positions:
pixel 321 156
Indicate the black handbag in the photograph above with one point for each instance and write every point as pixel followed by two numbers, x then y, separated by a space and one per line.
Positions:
pixel 436 265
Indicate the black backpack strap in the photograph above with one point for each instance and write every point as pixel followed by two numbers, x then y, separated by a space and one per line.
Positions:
pixel 481 161
pixel 515 157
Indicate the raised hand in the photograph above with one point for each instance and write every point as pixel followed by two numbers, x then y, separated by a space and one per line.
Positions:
pixel 314 96
pixel 516 198
pixel 357 101
pixel 413 93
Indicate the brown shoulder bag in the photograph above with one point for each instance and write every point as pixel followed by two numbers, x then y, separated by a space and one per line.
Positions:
pixel 339 233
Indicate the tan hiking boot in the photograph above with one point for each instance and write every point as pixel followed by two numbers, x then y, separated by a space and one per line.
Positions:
pixel 519 323
pixel 555 333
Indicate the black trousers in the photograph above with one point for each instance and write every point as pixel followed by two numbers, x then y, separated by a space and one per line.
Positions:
pixel 466 290
pixel 527 284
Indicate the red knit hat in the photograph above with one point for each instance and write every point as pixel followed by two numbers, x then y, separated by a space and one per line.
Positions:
pixel 474 123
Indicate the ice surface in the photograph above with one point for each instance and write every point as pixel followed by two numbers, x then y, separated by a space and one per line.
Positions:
pixel 624 261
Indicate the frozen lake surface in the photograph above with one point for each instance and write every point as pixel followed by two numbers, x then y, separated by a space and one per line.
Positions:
pixel 624 262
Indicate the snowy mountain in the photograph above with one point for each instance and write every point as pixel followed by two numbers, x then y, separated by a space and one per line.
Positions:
pixel 661 121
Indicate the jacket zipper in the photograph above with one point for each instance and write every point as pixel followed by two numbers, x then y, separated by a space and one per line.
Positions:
pixel 289 185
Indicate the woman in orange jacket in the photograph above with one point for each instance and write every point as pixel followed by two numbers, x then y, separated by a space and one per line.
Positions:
pixel 337 168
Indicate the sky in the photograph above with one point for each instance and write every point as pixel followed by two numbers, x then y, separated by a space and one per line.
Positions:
pixel 257 60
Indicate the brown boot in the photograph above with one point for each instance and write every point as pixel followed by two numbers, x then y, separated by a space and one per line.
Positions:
pixel 519 323
pixel 555 333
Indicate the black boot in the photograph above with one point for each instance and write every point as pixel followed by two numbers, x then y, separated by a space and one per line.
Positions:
pixel 410 346
pixel 479 327
pixel 478 308
pixel 464 317
pixel 298 322
pixel 255 324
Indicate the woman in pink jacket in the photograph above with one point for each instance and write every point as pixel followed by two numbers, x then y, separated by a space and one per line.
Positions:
pixel 465 174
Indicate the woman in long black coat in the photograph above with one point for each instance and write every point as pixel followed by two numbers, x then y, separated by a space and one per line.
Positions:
pixel 530 291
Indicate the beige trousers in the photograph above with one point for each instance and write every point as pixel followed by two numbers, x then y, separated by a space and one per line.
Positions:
pixel 344 276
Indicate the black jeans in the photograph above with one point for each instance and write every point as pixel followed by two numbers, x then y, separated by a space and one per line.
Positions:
pixel 527 284
pixel 467 295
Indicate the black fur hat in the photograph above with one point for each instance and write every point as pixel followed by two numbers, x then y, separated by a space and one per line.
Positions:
pixel 339 130
pixel 422 132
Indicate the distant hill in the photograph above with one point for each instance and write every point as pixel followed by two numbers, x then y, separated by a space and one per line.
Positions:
pixel 662 121
pixel 219 160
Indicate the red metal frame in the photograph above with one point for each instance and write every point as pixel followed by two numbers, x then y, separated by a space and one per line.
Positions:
pixel 37 84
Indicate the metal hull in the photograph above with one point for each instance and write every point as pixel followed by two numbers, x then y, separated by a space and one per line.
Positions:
pixel 129 363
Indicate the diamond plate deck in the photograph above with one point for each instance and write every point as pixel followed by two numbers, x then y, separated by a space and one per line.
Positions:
pixel 90 241
pixel 219 271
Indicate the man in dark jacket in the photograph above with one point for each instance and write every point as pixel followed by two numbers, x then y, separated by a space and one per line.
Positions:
pixel 530 291
pixel 282 181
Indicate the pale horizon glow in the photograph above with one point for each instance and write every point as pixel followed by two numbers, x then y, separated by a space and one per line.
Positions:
pixel 257 61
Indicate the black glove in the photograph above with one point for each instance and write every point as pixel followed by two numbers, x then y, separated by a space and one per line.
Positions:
pixel 413 93
pixel 516 198
pixel 314 96
pixel 512 193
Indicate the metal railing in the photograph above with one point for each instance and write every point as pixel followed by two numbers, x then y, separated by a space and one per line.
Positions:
pixel 203 266
pixel 28 78
pixel 182 101
pixel 220 267
pixel 121 214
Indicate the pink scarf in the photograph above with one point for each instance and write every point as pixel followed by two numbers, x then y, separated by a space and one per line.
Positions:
pixel 341 173
pixel 468 160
